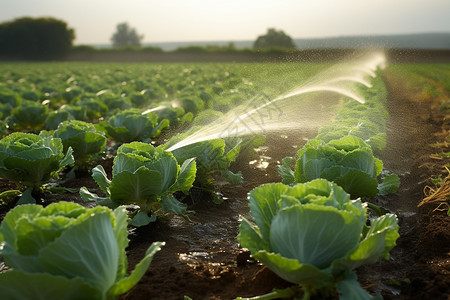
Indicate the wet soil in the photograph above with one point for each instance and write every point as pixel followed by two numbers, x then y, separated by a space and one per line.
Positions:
pixel 202 259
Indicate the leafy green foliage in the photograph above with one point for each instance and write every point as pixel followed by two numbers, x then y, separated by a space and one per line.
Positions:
pixel 175 115
pixel 212 156
pixel 191 103
pixel 67 251
pixel 132 125
pixel 30 116
pixel 95 108
pixel 313 235
pixel 86 141
pixel 56 117
pixel 146 176
pixel 286 172
pixel 347 161
pixel 32 160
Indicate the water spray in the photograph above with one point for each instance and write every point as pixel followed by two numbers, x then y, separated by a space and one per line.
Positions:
pixel 341 79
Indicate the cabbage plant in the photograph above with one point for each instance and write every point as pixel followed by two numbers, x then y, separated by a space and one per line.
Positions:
pixel 65 113
pixel 84 138
pixel 212 156
pixel 30 116
pixel 32 160
pixel 132 125
pixel 67 251
pixel 175 115
pixel 314 235
pixel 348 161
pixel 146 176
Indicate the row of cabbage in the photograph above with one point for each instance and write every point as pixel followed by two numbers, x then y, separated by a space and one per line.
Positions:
pixel 313 229
pixel 88 94
pixel 68 101
pixel 42 96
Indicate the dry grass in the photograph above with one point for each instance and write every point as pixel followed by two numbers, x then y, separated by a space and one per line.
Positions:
pixel 438 194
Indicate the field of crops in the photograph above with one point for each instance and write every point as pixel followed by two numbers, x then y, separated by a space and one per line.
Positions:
pixel 222 180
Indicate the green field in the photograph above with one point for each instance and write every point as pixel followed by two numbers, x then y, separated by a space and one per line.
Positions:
pixel 98 134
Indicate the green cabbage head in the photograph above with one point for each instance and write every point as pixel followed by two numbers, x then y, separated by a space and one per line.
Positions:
pixel 348 161
pixel 67 251
pixel 134 125
pixel 31 159
pixel 86 140
pixel 146 176
pixel 313 235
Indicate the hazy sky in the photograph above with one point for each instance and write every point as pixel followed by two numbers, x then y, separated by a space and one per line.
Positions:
pixel 95 21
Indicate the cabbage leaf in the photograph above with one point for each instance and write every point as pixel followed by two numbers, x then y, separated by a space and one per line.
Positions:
pixel 67 251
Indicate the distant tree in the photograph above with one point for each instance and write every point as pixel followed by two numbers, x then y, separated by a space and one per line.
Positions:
pixel 35 38
pixel 126 36
pixel 274 38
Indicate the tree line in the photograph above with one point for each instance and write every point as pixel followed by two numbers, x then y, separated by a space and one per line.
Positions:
pixel 35 38
pixel 52 39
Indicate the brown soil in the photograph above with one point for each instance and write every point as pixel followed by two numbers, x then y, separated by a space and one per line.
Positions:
pixel 202 259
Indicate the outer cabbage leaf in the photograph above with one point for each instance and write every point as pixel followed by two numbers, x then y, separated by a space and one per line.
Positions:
pixel 138 187
pixel 171 204
pixel 355 182
pixel 121 234
pixel 379 240
pixel 286 172
pixel 294 271
pixel 17 285
pixel 100 177
pixel 78 253
pixel 186 176
pixel 389 184
pixel 67 251
pixel 350 289
pixel 263 202
pixel 250 237
pixel 126 283
pixel 314 234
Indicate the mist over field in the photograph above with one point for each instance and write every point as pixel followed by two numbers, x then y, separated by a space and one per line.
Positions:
pixel 404 41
